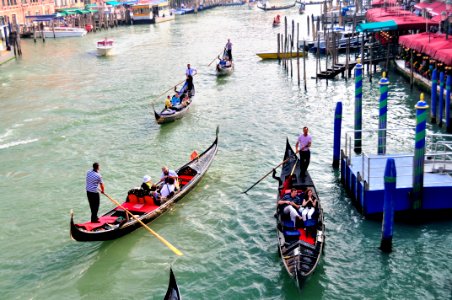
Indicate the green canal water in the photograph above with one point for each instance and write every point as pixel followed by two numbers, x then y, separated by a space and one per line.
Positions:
pixel 62 107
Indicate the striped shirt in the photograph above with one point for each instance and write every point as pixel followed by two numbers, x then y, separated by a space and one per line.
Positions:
pixel 93 179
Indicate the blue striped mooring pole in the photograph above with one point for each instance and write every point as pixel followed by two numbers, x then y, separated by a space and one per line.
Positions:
pixel 337 134
pixel 441 99
pixel 419 151
pixel 448 91
pixel 383 116
pixel 433 96
pixel 387 227
pixel 358 107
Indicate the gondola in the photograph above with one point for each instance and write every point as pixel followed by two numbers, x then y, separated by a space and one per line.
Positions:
pixel 224 66
pixel 300 245
pixel 170 115
pixel 173 290
pixel 273 7
pixel 115 224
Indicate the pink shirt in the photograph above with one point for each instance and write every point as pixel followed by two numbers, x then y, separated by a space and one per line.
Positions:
pixel 303 141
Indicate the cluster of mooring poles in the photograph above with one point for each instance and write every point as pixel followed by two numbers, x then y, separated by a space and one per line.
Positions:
pixel 286 50
pixel 442 103
pixel 390 174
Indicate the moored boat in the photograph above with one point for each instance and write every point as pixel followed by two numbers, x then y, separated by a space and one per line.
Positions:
pixel 61 31
pixel 104 47
pixel 173 290
pixel 167 115
pixel 115 224
pixel 300 243
pixel 266 7
pixel 275 55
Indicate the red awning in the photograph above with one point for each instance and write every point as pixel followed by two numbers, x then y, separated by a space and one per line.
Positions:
pixel 436 8
pixel 444 55
pixel 434 45
pixel 380 3
pixel 405 20
pixel 415 41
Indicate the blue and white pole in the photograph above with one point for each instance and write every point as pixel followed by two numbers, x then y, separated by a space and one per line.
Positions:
pixel 383 116
pixel 387 227
pixel 419 151
pixel 433 93
pixel 358 107
pixel 448 90
pixel 441 99
pixel 337 134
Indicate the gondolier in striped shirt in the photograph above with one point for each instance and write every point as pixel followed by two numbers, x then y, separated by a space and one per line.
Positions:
pixel 93 182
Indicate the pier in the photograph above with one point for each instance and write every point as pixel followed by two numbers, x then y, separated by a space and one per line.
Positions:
pixel 363 175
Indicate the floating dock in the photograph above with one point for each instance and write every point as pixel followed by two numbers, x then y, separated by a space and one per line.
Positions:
pixel 363 177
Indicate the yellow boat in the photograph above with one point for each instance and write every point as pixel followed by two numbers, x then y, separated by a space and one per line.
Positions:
pixel 274 55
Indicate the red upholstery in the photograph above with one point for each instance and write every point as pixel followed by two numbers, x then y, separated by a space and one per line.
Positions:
pixel 149 200
pixel 102 221
pixel 184 179
pixel 306 238
pixel 138 207
pixel 132 198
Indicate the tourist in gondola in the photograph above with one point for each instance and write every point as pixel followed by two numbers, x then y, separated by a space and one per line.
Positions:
pixel 93 182
pixel 175 100
pixel 308 206
pixel 167 173
pixel 168 189
pixel 289 205
pixel 304 145
pixel 228 48
pixel 168 104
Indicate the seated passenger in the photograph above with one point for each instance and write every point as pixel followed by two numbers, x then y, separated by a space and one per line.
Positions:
pixel 186 100
pixel 167 173
pixel 168 188
pixel 175 100
pixel 147 184
pixel 290 204
pixel 308 206
pixel 168 102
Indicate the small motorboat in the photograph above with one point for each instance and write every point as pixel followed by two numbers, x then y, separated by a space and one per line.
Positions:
pixel 104 47
pixel 277 21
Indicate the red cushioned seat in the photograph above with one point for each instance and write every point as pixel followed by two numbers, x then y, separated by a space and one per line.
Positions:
pixel 138 207
pixel 102 221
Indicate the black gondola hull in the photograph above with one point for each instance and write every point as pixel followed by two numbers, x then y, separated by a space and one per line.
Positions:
pixel 200 164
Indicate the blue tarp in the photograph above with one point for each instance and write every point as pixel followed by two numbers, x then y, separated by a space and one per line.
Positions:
pixel 377 26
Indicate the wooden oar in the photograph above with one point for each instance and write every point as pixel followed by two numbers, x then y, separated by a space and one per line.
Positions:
pixel 161 239
pixel 269 173
pixel 216 57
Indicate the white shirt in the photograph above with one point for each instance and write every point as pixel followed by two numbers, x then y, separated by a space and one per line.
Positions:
pixel 190 71
pixel 166 189
pixel 171 173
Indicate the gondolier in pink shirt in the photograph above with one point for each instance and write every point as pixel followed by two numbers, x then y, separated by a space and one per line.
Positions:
pixel 304 145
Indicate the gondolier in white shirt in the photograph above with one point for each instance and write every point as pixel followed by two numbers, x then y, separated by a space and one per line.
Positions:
pixel 190 72
pixel 93 182
pixel 304 146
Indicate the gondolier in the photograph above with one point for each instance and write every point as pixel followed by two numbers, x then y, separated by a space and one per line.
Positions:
pixel 228 48
pixel 93 182
pixel 304 145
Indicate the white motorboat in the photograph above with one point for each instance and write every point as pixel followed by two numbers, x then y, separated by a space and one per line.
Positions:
pixel 61 31
pixel 104 47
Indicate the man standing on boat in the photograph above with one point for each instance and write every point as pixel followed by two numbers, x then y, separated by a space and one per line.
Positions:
pixel 229 49
pixel 190 72
pixel 304 145
pixel 93 182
